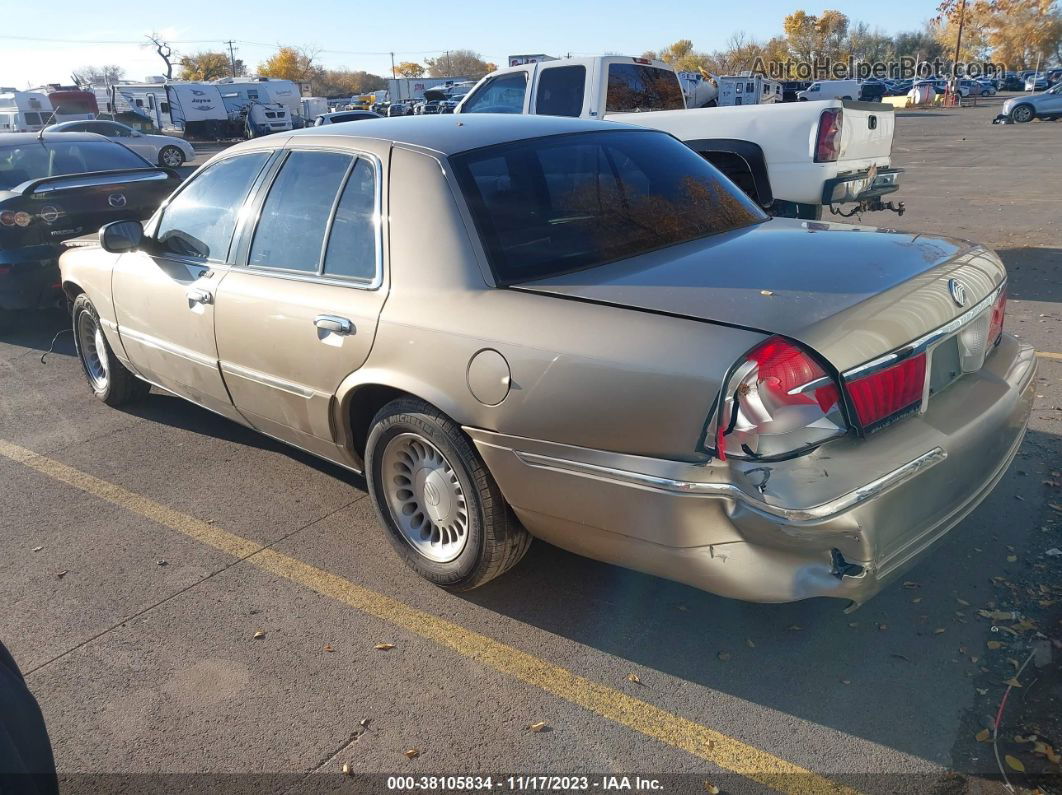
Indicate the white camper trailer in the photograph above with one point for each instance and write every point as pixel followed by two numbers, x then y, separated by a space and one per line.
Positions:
pixel 24 111
pixel 240 92
pixel 748 90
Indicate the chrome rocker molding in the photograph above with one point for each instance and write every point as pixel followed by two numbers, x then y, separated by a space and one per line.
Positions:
pixel 817 513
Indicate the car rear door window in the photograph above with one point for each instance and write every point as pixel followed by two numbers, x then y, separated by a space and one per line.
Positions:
pixel 200 220
pixel 560 91
pixel 501 94
pixel 294 219
pixel 635 87
pixel 352 244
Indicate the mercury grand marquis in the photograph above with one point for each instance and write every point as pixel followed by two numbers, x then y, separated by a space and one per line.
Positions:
pixel 578 331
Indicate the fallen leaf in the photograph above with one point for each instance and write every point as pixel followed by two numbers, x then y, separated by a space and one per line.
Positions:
pixel 939 631
pixel 1044 749
pixel 983 736
pixel 999 615
pixel 259 634
pixel 853 623
pixel 634 678
pixel 882 627
pixel 994 644
pixel 794 628
pixel 1012 558
pixel 749 643
pixel 766 292
pixel 901 657
pixel 538 727
pixel 347 769
pixel 364 722
pixel 384 647
pixel 1013 682
pixel 1014 764
pixel 916 600
pixel 982 690
pixel 846 681
pixel 37 549
pixel 710 788
pixel 963 602
pixel 411 753
pixel 62 574
pixel 1015 663
pixel 328 647
pixel 723 656
pixel 912 584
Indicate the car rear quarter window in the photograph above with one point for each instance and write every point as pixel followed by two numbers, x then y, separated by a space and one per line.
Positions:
pixel 353 240
pixel 637 87
pixel 552 205
pixel 53 159
pixel 292 225
pixel 200 220
pixel 560 91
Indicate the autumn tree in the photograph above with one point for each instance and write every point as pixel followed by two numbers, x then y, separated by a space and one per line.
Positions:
pixel 1018 33
pixel 343 82
pixel 104 75
pixel 208 66
pixel 819 37
pixel 409 69
pixel 291 63
pixel 458 63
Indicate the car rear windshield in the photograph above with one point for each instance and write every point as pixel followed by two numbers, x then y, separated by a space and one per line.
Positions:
pixel 37 159
pixel 552 205
pixel 634 88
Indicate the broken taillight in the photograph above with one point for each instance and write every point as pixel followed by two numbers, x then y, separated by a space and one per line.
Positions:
pixel 828 140
pixel 887 394
pixel 779 401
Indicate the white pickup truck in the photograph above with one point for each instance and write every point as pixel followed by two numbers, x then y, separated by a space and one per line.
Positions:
pixel 793 159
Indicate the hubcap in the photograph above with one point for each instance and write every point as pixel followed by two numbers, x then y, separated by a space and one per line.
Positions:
pixel 1022 114
pixel 171 157
pixel 93 351
pixel 425 497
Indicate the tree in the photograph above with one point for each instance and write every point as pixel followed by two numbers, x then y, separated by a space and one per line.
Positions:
pixel 105 75
pixel 681 56
pixel 870 46
pixel 344 82
pixel 820 37
pixel 921 45
pixel 165 52
pixel 409 69
pixel 458 63
pixel 291 63
pixel 208 66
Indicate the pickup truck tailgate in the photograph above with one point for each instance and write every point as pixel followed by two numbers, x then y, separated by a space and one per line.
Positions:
pixel 867 131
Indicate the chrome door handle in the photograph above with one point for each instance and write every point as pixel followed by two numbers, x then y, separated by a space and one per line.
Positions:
pixel 197 296
pixel 334 323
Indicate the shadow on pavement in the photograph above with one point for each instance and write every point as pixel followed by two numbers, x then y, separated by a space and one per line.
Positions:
pixel 1033 273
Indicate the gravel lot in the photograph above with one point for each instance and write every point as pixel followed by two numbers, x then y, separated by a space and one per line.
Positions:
pixel 136 624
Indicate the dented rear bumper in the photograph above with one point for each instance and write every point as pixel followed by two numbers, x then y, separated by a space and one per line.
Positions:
pixel 840 522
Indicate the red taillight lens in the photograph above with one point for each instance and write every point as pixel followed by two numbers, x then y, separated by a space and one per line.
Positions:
pixel 7 218
pixel 888 393
pixel 779 401
pixel 995 322
pixel 828 141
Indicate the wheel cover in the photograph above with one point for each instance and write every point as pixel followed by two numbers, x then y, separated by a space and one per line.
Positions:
pixel 425 497
pixel 1022 112
pixel 93 351
pixel 171 157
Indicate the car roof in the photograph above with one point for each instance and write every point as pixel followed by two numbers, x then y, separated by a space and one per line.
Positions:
pixel 452 134
pixel 10 139
pixel 63 125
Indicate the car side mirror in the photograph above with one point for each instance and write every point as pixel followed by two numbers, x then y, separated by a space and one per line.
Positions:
pixel 120 236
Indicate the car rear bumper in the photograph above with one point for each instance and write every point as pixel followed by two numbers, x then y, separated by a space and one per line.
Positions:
pixel 29 277
pixel 839 522
pixel 861 185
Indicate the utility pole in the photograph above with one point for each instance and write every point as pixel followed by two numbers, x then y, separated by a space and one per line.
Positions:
pixel 449 68
pixel 958 39
pixel 394 75
pixel 232 56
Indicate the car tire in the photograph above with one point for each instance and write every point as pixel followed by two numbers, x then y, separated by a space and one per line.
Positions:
pixel 1023 114
pixel 108 378
pixel 442 509
pixel 171 157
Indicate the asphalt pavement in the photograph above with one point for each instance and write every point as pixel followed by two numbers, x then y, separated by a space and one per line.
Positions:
pixel 187 597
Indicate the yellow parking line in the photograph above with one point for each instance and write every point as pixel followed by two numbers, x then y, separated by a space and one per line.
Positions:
pixel 1048 355
pixel 708 744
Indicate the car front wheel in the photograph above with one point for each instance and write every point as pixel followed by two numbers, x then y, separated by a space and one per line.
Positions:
pixel 1022 114
pixel 110 381
pixel 443 511
pixel 171 157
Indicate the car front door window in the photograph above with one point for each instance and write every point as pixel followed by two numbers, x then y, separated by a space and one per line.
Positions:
pixel 501 94
pixel 200 220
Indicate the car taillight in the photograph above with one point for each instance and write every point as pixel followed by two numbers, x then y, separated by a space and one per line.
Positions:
pixel 779 401
pixel 888 394
pixel 828 141
pixel 7 218
pixel 995 322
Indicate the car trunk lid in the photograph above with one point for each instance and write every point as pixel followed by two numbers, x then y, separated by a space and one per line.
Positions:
pixel 850 293
pixel 867 131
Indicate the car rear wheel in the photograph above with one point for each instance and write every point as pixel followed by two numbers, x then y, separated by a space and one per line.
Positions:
pixel 1023 114
pixel 110 381
pixel 171 157
pixel 443 511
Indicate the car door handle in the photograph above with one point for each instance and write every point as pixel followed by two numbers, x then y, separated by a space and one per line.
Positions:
pixel 198 296
pixel 334 323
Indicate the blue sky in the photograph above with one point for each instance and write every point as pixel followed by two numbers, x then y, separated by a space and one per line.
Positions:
pixel 414 29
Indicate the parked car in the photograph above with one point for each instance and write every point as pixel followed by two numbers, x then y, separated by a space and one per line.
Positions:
pixel 636 364
pixel 1011 82
pixel 344 115
pixel 988 88
pixel 1025 108
pixel 872 90
pixel 57 186
pixel 166 150
pixel 397 109
pixel 790 89
pixel 1036 83
pixel 831 89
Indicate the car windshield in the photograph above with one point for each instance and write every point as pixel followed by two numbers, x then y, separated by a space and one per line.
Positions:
pixel 37 159
pixel 552 205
